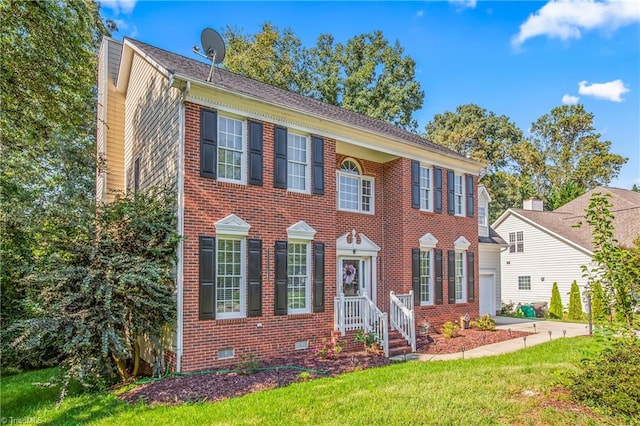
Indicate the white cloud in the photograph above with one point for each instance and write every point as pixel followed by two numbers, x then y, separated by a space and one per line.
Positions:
pixel 566 19
pixel 463 4
pixel 119 6
pixel 570 100
pixel 611 91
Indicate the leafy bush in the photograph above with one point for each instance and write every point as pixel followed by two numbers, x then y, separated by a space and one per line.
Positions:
pixel 575 304
pixel 485 323
pixel 556 310
pixel 248 364
pixel 450 329
pixel 599 309
pixel 610 381
pixel 328 349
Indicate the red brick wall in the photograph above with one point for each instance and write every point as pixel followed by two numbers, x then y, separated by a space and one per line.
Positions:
pixel 395 227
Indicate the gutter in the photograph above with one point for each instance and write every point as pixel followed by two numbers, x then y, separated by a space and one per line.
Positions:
pixel 180 272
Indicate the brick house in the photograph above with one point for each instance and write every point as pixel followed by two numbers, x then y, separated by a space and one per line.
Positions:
pixel 299 219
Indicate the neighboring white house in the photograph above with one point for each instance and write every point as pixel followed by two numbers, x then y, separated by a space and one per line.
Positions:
pixel 489 247
pixel 548 246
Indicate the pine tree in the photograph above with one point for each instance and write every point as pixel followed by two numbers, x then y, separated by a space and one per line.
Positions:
pixel 556 309
pixel 575 304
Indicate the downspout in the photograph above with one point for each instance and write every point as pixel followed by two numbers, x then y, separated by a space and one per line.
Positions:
pixel 180 274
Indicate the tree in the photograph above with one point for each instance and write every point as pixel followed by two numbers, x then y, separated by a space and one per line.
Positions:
pixel 47 93
pixel 367 75
pixel 617 268
pixel 599 310
pixel 575 303
pixel 635 188
pixel 566 154
pixel 556 310
pixel 110 285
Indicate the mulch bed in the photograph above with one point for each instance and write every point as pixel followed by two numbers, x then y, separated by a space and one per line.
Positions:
pixel 217 386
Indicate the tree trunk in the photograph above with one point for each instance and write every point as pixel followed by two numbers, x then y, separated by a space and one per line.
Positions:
pixel 136 358
pixel 121 365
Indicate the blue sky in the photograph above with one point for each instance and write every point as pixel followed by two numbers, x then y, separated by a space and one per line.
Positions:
pixel 518 59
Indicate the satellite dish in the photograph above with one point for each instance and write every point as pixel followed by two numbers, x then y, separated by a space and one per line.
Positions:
pixel 213 47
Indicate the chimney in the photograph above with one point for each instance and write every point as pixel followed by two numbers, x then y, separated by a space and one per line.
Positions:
pixel 533 204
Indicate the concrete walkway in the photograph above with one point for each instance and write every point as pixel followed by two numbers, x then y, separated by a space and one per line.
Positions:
pixel 543 330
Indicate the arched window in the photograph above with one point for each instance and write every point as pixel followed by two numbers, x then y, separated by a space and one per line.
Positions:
pixel 355 192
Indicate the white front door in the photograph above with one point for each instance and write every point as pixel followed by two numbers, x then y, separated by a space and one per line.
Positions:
pixel 487 294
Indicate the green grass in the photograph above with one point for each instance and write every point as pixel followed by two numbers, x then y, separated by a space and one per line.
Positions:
pixel 476 391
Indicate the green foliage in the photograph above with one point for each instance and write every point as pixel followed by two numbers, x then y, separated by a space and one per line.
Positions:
pixel 617 268
pixel 112 284
pixel 369 339
pixel 47 93
pixel 575 303
pixel 599 310
pixel 485 323
pixel 556 309
pixel 367 75
pixel 328 349
pixel 450 329
pixel 511 310
pixel 248 364
pixel 609 381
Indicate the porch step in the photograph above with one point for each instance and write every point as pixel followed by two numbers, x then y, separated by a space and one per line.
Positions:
pixel 398 345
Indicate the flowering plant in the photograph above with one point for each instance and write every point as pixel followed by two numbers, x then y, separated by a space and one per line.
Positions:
pixel 348 273
pixel 328 349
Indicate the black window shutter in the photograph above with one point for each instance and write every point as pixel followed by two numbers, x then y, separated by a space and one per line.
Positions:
pixel 208 142
pixel 318 165
pixel 437 254
pixel 281 250
pixel 470 196
pixel 451 259
pixel 280 158
pixel 470 278
pixel 255 153
pixel 254 277
pixel 318 277
pixel 415 275
pixel 437 177
pixel 415 184
pixel 451 192
pixel 207 267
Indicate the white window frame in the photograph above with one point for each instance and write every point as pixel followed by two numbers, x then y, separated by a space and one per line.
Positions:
pixel 426 191
pixel 306 163
pixel 460 279
pixel 524 280
pixel 482 216
pixel 307 285
pixel 520 242
pixel 359 178
pixel 426 255
pixel 242 151
pixel 242 312
pixel 301 233
pixel 458 196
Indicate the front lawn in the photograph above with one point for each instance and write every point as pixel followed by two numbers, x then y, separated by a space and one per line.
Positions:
pixel 516 388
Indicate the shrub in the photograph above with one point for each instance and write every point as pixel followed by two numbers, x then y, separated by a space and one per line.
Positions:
pixel 556 309
pixel 485 323
pixel 328 349
pixel 248 364
pixel 609 381
pixel 599 309
pixel 575 304
pixel 450 329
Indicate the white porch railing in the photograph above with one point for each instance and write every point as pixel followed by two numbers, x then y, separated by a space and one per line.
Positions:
pixel 359 312
pixel 402 317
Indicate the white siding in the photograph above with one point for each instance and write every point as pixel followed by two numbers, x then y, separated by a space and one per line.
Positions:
pixel 151 126
pixel 489 263
pixel 545 259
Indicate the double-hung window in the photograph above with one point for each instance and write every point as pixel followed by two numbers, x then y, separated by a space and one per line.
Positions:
pixel 460 277
pixel 482 216
pixel 459 194
pixel 297 162
pixel 231 149
pixel 516 242
pixel 426 277
pixel 355 192
pixel 425 188
pixel 298 277
pixel 230 286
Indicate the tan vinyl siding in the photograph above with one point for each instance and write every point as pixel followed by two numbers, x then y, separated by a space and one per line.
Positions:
pixel 546 259
pixel 101 176
pixel 152 126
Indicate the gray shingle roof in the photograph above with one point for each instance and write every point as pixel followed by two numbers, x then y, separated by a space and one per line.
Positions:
pixel 197 70
pixel 563 220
